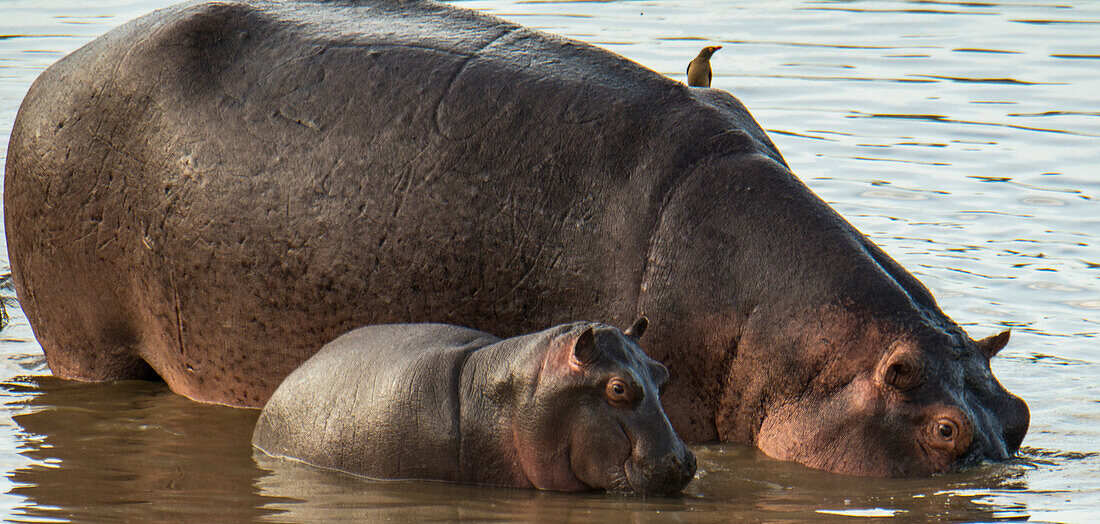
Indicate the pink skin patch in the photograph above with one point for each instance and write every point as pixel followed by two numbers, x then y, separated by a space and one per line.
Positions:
pixel 560 360
pixel 548 469
pixel 546 464
pixel 574 364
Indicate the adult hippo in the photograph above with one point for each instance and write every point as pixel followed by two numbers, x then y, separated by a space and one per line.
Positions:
pixel 212 192
pixel 571 408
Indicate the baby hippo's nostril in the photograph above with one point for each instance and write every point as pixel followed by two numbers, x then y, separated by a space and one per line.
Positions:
pixel 667 475
pixel 690 464
pixel 686 465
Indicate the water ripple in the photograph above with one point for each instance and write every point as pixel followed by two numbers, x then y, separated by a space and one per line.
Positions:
pixel 967 80
pixel 947 120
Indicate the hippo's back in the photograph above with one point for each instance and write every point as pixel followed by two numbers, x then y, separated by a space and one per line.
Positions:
pixel 381 401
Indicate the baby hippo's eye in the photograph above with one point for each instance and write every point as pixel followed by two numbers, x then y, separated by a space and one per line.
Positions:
pixel 618 393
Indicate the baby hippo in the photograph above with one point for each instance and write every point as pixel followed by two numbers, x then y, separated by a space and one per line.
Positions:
pixel 571 408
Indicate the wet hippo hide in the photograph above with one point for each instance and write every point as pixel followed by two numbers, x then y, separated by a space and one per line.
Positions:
pixel 572 408
pixel 212 192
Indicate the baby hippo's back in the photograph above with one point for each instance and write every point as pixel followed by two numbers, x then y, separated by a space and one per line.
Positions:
pixel 395 386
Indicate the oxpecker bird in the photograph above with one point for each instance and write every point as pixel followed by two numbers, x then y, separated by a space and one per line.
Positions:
pixel 699 69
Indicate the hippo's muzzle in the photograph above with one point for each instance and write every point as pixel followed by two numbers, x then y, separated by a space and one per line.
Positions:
pixel 664 476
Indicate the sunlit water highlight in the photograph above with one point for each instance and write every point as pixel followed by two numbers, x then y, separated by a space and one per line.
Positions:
pixel 963 137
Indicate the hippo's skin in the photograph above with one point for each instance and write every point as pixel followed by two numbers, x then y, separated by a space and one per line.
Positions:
pixel 572 408
pixel 214 191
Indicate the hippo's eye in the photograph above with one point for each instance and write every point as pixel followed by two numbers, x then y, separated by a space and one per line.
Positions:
pixel 946 430
pixel 950 431
pixel 618 392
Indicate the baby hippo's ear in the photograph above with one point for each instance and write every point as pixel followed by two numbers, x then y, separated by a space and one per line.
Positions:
pixel 635 332
pixel 584 348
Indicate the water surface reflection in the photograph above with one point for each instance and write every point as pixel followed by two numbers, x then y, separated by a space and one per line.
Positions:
pixel 133 450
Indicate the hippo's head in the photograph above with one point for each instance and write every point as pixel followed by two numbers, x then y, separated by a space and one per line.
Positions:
pixel 926 403
pixel 593 419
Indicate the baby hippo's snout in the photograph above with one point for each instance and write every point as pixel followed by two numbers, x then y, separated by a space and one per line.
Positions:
pixel 665 475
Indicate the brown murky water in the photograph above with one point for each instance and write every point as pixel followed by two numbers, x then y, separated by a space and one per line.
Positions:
pixel 963 137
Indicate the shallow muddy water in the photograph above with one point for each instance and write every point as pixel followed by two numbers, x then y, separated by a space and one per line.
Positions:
pixel 964 138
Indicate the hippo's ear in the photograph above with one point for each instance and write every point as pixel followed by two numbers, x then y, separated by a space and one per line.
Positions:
pixel 635 332
pixel 992 344
pixel 584 348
